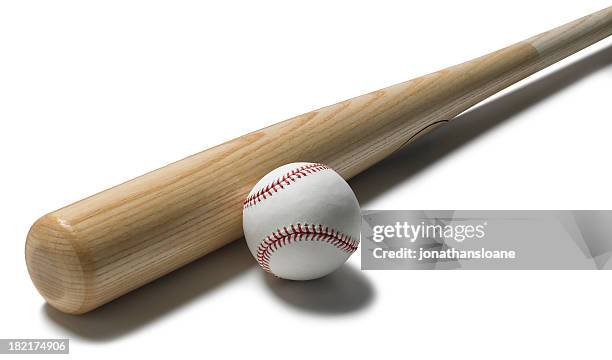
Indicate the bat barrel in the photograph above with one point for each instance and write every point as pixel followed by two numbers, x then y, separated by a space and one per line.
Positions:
pixel 56 265
pixel 95 250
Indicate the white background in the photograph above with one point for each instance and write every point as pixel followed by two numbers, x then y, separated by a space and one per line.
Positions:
pixel 95 93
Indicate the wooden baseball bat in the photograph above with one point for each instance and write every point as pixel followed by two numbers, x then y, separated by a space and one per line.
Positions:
pixel 97 249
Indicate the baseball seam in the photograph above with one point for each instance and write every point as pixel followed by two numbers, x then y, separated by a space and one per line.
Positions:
pixel 281 182
pixel 298 232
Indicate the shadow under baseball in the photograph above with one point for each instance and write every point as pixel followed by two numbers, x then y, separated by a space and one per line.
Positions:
pixel 158 298
pixel 344 291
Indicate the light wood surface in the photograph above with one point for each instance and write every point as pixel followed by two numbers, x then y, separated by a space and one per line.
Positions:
pixel 95 250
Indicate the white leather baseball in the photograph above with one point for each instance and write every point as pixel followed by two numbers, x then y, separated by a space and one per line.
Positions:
pixel 301 221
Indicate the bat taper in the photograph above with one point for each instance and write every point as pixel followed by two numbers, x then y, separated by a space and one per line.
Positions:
pixel 97 249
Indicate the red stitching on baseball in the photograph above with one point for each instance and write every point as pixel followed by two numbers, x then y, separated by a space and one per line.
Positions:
pixel 281 182
pixel 299 232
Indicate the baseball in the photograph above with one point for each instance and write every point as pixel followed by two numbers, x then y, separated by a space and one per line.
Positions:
pixel 301 221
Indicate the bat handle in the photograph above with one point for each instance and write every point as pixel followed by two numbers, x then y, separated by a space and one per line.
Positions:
pixel 567 39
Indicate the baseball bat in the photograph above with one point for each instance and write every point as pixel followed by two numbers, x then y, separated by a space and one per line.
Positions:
pixel 97 249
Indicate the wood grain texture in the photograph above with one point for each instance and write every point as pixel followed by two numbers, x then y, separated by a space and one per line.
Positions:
pixel 93 251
